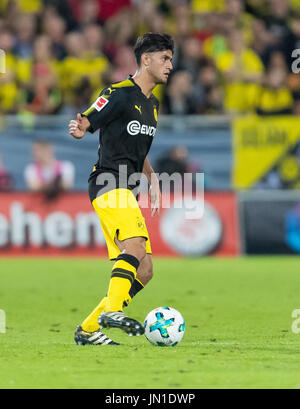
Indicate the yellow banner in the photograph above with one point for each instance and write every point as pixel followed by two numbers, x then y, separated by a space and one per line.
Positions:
pixel 265 152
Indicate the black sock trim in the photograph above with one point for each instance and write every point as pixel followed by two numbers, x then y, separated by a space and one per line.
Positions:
pixel 133 261
pixel 119 272
pixel 123 270
pixel 135 288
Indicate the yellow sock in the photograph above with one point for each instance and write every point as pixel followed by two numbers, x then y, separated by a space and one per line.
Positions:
pixel 90 324
pixel 122 278
pixel 122 288
pixel 117 288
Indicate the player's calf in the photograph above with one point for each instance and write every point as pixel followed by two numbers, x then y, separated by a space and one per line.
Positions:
pixel 145 270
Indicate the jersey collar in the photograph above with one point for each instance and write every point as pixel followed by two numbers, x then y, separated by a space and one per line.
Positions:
pixel 130 78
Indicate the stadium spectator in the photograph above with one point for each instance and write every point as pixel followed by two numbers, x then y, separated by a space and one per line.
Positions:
pixel 46 174
pixel 41 93
pixel 73 68
pixel 83 64
pixel 159 24
pixel 124 64
pixel 88 13
pixel 8 85
pixel 213 102
pixel 235 10
pixel 207 90
pixel 179 99
pixel 177 161
pixel 174 161
pixel 120 31
pixel 277 60
pixel 82 94
pixel 97 63
pixel 55 28
pixel 180 22
pixel 277 20
pixel 190 55
pixel 215 42
pixel 14 9
pixel 275 98
pixel 6 180
pixel 25 35
pixel 263 41
pixel 60 8
pixel 242 71
pixel 94 39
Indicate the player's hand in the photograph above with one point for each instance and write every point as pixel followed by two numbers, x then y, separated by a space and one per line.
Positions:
pixel 155 198
pixel 78 127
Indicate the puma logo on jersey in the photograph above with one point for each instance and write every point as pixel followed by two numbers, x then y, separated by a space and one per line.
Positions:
pixel 139 108
pixel 111 90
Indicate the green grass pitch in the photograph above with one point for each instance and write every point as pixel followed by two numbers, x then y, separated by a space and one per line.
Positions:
pixel 238 314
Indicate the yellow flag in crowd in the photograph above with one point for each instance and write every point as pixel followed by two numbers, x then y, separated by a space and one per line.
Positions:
pixel 262 145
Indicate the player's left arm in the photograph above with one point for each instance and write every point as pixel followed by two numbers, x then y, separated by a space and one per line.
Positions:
pixel 155 193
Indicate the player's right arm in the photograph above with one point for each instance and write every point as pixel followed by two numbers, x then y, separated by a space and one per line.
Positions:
pixel 106 108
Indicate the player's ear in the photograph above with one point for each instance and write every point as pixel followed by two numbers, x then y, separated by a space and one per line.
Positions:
pixel 145 58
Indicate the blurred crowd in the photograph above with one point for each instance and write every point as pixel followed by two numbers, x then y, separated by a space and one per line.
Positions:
pixel 232 56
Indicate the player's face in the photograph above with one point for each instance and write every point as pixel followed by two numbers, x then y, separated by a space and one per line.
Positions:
pixel 160 66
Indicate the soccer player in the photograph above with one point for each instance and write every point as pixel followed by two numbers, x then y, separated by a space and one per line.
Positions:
pixel 126 114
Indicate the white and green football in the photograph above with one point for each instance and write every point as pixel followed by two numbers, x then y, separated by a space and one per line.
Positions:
pixel 164 326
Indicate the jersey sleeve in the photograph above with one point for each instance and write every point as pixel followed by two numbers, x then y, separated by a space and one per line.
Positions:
pixel 105 109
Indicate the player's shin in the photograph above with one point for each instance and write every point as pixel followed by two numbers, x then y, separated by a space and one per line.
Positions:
pixel 122 278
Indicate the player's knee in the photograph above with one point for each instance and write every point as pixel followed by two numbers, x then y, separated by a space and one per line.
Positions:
pixel 136 249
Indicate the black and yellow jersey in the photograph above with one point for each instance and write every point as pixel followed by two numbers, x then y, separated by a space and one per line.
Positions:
pixel 127 121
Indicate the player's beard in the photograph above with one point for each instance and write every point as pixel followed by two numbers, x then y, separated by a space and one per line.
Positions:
pixel 158 77
pixel 162 79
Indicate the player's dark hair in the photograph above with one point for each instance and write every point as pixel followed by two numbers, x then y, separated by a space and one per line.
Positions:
pixel 152 42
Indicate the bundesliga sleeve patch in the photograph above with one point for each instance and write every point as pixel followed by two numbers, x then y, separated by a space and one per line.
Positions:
pixel 100 103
